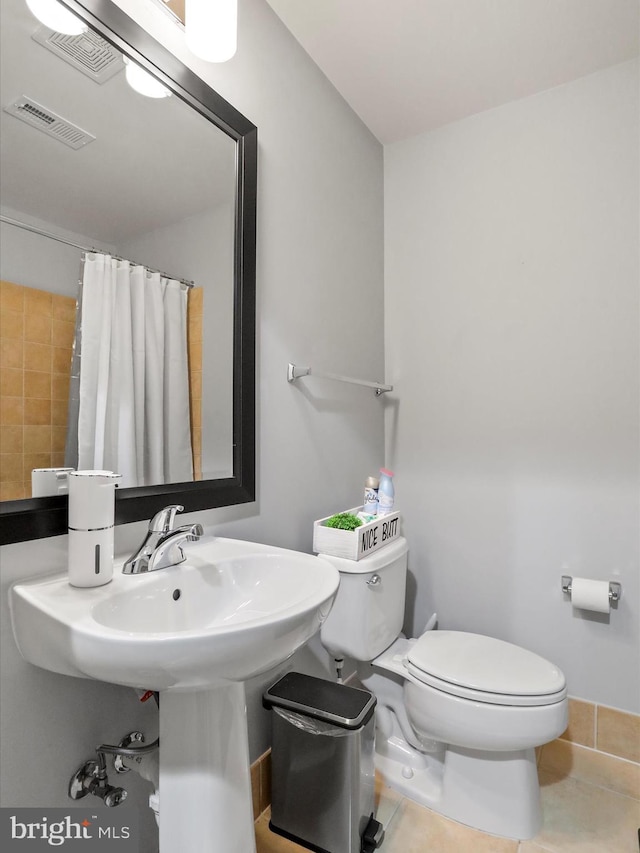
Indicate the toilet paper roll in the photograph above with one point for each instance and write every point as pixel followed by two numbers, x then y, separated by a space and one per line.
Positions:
pixel 590 595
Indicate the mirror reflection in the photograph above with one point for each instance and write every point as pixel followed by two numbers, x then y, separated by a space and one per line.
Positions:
pixel 117 266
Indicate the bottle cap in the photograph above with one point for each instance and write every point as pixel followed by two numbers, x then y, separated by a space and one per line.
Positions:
pixel 387 472
pixel 372 482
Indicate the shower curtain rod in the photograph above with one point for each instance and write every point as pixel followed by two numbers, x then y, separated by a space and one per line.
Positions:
pixel 35 230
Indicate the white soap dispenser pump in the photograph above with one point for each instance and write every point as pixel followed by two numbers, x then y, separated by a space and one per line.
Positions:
pixel 91 524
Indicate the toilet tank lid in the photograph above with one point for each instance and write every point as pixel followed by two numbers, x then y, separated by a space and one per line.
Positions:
pixel 374 562
pixel 485 663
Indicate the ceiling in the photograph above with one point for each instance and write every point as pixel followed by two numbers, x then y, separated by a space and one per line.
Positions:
pixel 409 66
pixel 152 163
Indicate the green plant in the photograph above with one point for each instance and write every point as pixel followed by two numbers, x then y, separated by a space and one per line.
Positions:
pixel 343 521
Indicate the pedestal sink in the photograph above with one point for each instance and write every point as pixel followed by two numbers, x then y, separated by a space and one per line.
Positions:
pixel 194 632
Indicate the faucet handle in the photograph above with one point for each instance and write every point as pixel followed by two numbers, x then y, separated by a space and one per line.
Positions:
pixel 169 552
pixel 164 521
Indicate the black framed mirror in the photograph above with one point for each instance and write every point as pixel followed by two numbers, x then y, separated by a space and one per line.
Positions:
pixel 34 518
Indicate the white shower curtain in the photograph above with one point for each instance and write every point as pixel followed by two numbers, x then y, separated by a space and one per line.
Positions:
pixel 133 415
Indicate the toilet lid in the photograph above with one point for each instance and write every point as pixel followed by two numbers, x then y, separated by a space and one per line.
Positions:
pixel 476 666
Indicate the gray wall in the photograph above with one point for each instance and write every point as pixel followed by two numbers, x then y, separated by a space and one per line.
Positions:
pixel 511 316
pixel 320 303
pixel 35 261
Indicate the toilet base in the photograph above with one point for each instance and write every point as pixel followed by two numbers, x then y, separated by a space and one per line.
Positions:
pixel 494 792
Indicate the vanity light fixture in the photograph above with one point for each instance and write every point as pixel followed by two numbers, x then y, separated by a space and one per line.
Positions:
pixel 143 82
pixel 211 28
pixel 58 18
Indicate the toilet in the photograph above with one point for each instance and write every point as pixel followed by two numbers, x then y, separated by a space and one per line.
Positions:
pixel 458 715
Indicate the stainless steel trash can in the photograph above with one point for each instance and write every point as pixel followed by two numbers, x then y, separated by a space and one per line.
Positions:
pixel 322 764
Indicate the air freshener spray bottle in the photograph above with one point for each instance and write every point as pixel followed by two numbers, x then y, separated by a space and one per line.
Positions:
pixel 91 522
pixel 370 503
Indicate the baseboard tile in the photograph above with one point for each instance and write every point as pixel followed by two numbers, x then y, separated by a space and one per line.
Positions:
pixel 563 758
pixel 261 784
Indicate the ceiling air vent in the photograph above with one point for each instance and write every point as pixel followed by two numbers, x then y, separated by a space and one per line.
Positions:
pixel 49 122
pixel 88 52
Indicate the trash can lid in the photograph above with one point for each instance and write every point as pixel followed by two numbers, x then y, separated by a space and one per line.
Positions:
pixel 344 706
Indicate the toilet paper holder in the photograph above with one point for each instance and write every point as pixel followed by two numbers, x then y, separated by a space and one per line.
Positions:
pixel 615 589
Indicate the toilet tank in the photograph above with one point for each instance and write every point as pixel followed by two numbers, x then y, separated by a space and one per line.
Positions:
pixel 367 614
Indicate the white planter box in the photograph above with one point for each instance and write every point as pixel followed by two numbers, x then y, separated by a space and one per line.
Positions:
pixel 358 543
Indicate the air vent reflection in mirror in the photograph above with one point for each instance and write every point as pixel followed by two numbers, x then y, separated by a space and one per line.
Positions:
pixel 87 52
pixel 46 120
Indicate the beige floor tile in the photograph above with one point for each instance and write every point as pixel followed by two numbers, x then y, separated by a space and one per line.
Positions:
pixel 562 758
pixel 578 818
pixel 582 818
pixel 415 829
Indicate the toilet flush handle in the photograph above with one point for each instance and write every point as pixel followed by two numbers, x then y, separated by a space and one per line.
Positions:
pixel 374 580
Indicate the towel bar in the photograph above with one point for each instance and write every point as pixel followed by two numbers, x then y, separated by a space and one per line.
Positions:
pixel 294 373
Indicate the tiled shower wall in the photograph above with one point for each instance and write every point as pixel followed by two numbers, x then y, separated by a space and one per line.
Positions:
pixel 36 338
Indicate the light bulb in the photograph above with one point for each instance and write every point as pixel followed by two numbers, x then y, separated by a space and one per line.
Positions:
pixel 211 28
pixel 58 18
pixel 143 82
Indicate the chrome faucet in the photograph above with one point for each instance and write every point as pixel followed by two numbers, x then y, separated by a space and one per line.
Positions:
pixel 161 547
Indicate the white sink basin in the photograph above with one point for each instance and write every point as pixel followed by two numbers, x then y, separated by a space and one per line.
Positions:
pixel 232 610
pixel 194 633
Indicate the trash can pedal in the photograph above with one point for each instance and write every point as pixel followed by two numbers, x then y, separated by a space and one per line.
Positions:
pixel 373 836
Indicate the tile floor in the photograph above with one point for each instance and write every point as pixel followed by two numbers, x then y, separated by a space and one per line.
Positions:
pixel 579 817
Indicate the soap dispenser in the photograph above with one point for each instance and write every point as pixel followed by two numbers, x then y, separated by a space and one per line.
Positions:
pixel 91 524
pixel 49 481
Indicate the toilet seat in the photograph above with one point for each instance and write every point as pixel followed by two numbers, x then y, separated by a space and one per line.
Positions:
pixel 484 669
